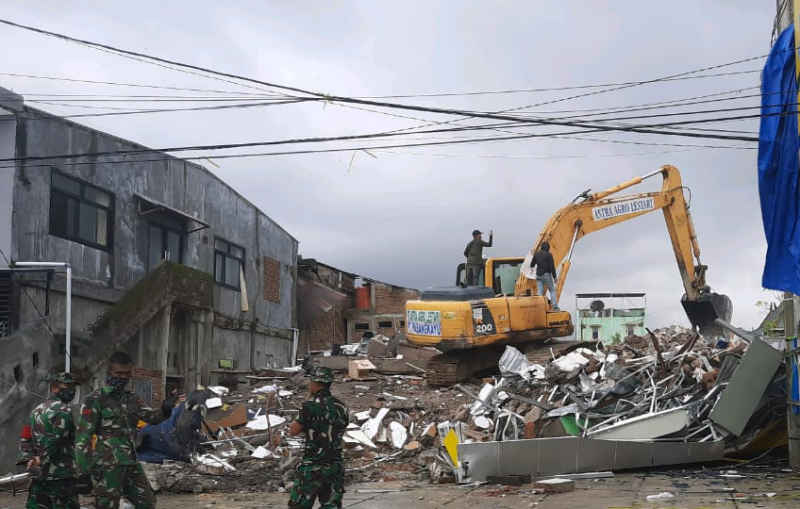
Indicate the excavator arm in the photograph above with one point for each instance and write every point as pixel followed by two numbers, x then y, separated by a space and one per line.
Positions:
pixel 592 212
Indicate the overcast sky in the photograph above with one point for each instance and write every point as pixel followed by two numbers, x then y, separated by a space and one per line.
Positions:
pixel 404 215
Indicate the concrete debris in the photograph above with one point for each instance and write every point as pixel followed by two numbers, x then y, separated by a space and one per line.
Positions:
pixel 372 427
pixel 555 485
pixel 509 479
pixel 264 422
pixel 399 434
pixel 482 422
pixel 362 416
pixel 219 390
pixel 360 369
pixel 213 403
pixel 262 452
pixel 664 495
pixel 649 407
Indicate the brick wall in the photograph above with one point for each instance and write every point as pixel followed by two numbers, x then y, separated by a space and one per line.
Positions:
pixel 272 279
pixel 392 299
pixel 320 313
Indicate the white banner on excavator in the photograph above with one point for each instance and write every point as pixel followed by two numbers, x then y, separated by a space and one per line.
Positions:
pixel 622 208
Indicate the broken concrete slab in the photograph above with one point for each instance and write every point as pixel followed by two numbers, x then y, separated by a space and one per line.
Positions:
pixel 360 369
pixel 555 485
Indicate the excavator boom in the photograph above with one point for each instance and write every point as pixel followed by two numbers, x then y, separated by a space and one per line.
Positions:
pixel 591 212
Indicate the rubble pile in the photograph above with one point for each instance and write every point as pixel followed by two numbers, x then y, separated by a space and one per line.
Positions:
pixel 393 434
pixel 663 386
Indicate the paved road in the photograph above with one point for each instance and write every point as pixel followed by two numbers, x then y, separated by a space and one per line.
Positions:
pixel 701 489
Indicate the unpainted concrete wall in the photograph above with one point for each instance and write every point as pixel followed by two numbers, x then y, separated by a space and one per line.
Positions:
pixel 25 356
pixel 179 184
pixel 8 128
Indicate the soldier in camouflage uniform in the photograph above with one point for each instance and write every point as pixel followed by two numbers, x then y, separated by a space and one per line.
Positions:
pixel 112 414
pixel 323 419
pixel 46 445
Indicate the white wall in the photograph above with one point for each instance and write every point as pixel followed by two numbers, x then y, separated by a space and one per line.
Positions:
pixel 8 126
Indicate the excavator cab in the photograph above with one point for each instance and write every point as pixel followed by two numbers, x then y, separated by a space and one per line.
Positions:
pixel 499 274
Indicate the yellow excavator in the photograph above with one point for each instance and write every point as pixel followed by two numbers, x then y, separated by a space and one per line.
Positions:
pixel 471 324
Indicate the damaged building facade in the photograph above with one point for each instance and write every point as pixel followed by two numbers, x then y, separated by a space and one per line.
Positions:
pixel 336 307
pixel 168 262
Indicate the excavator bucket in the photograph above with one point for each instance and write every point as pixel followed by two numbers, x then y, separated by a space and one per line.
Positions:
pixel 709 307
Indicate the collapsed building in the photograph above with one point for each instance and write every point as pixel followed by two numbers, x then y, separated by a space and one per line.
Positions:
pixel 336 307
pixel 168 263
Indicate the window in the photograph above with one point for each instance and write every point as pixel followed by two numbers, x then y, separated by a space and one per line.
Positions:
pixel 402 323
pixel 385 325
pixel 228 263
pixel 505 277
pixel 362 326
pixel 164 244
pixel 595 332
pixel 80 212
pixel 630 329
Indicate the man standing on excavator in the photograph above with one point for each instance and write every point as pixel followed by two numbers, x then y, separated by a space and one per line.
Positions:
pixel 545 272
pixel 474 254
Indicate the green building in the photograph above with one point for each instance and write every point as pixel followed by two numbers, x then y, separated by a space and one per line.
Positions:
pixel 610 317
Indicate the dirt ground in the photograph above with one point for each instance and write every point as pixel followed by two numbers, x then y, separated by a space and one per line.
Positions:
pixel 698 488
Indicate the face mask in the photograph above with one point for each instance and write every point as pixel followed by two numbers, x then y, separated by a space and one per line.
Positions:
pixel 66 395
pixel 116 382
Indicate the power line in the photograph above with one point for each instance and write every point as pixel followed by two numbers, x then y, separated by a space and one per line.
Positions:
pixel 126 84
pixel 160 60
pixel 370 136
pixel 134 99
pixel 547 89
pixel 368 148
pixel 675 103
pixel 166 110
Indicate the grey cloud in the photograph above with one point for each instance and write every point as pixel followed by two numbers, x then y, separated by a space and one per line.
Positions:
pixel 405 216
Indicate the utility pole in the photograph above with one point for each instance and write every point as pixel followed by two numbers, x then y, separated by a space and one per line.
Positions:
pixel 787 13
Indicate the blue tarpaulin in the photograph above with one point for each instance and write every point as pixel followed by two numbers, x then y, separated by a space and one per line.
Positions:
pixel 778 167
pixel 778 170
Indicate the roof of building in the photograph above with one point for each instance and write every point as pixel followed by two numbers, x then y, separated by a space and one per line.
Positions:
pixel 14 103
pixel 309 263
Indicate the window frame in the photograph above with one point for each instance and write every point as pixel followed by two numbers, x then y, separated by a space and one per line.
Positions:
pixel 164 232
pixel 81 199
pixel 225 255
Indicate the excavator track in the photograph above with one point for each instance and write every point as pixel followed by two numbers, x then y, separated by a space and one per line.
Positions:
pixel 457 366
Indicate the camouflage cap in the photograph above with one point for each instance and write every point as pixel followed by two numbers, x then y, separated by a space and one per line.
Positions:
pixel 322 375
pixel 64 378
